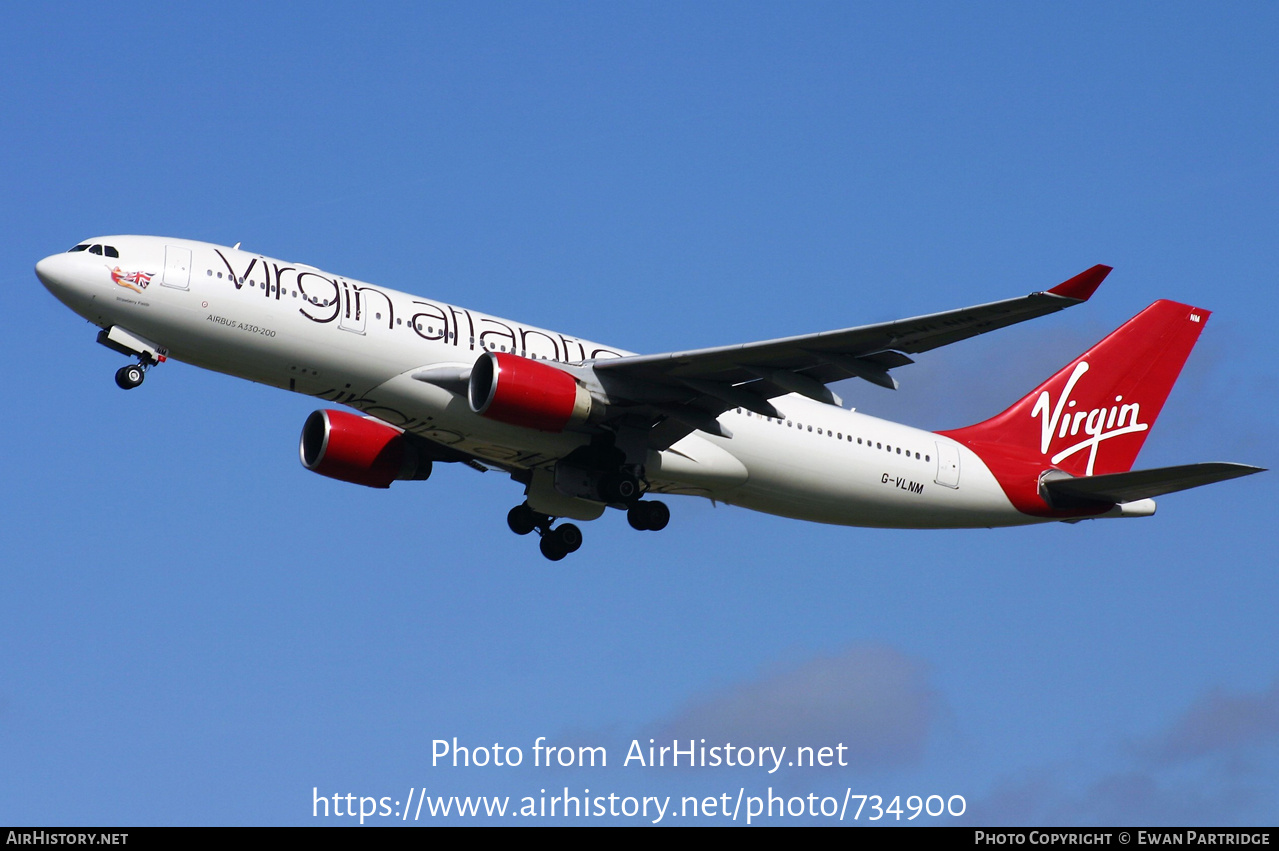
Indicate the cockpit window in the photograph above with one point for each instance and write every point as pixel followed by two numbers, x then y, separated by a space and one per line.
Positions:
pixel 110 250
pixel 95 249
pixel 81 247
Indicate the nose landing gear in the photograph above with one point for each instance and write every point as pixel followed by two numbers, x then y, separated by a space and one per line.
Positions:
pixel 128 377
pixel 127 343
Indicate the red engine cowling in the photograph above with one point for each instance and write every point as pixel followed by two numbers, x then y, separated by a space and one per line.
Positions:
pixel 356 449
pixel 526 393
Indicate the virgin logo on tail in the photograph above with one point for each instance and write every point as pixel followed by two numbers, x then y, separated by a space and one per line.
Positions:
pixel 1097 424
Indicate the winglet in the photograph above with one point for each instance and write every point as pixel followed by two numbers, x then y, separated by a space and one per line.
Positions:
pixel 1082 286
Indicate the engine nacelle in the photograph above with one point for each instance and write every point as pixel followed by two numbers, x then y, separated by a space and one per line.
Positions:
pixel 356 449
pixel 527 393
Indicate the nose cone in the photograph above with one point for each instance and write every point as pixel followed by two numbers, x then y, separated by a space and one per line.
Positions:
pixel 61 276
pixel 47 271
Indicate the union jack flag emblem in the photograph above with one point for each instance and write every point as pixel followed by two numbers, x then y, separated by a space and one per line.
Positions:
pixel 136 281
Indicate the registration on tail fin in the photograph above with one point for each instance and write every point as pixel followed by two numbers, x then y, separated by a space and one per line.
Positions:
pixel 1092 417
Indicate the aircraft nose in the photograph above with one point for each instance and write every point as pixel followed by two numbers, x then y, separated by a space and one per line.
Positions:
pixel 45 270
pixel 51 271
pixel 57 275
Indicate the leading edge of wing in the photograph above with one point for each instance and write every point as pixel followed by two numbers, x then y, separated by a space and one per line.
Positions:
pixel 836 355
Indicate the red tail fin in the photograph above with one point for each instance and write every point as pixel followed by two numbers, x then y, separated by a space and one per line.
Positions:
pixel 1093 416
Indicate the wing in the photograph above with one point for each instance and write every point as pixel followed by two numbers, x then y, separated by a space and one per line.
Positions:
pixel 679 392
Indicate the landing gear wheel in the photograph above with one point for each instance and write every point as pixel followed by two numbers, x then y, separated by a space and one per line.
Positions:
pixel 128 377
pixel 619 487
pixel 569 537
pixel 560 541
pixel 658 515
pixel 521 519
pixel 552 548
pixel 648 516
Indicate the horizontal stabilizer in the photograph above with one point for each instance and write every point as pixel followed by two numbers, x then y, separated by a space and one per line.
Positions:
pixel 1068 492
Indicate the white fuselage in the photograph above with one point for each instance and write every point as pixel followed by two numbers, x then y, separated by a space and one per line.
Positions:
pixel 356 344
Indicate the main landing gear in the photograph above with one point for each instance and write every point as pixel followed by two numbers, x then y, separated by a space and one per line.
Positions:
pixel 556 543
pixel 650 516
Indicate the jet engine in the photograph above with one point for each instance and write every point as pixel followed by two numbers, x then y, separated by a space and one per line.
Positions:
pixel 527 393
pixel 357 449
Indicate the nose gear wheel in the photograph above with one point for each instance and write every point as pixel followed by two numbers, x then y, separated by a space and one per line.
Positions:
pixel 128 377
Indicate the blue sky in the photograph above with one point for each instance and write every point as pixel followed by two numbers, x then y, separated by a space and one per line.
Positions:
pixel 197 630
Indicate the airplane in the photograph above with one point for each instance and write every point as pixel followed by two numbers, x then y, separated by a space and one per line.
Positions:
pixel 585 427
